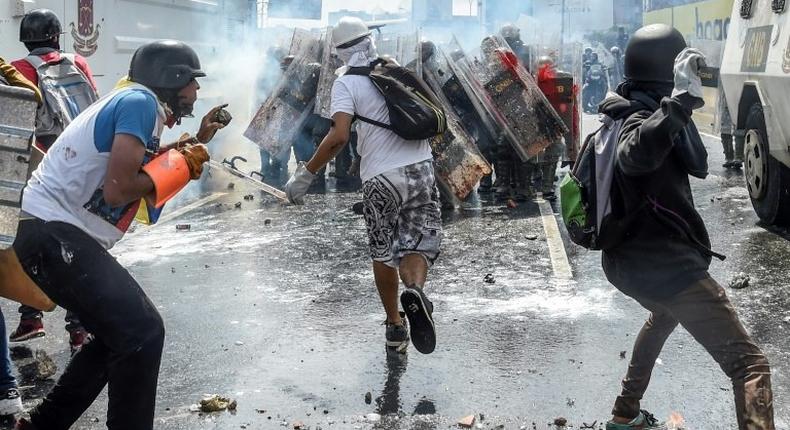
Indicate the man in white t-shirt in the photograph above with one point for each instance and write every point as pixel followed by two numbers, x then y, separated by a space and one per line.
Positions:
pixel 401 203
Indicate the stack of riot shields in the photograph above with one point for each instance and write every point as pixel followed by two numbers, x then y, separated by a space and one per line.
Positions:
pixel 508 94
pixel 279 119
pixel 17 121
pixel 459 163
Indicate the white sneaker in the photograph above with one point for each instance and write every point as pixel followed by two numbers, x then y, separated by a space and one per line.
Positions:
pixel 10 402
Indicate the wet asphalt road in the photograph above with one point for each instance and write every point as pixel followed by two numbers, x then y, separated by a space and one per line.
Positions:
pixel 276 307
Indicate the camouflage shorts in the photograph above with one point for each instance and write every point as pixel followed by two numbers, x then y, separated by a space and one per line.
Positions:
pixel 401 209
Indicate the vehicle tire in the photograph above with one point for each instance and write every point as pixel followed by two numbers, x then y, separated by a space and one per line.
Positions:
pixel 767 180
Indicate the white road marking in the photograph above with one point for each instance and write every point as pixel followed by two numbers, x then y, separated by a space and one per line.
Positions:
pixel 559 257
pixel 192 206
pixel 708 135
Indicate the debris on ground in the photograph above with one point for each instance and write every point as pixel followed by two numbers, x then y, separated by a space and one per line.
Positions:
pixel 214 403
pixel 489 278
pixel 467 422
pixel 33 366
pixel 622 355
pixel 368 398
pixel 231 186
pixel 676 422
pixel 298 425
pixel 740 281
pixel 237 205
pixel 267 221
pixel 183 227
pixel 249 197
pixel 589 426
pixel 373 418
pixel 511 204
pixel 531 236
pixel 45 365
pixel 560 422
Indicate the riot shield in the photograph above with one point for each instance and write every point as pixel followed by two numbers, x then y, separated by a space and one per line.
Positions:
pixel 387 47
pixel 284 112
pixel 459 163
pixel 329 65
pixel 573 64
pixel 510 95
pixel 409 52
pixel 17 122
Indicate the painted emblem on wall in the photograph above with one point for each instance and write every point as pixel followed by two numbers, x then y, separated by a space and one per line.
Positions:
pixel 786 58
pixel 85 34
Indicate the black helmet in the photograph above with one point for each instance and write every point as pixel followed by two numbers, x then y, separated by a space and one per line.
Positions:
pixel 165 64
pixel 39 25
pixel 650 54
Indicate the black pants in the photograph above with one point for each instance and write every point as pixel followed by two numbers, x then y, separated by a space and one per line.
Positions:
pixel 72 320
pixel 81 276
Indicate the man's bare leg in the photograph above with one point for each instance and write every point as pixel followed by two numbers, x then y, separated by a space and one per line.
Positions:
pixel 387 284
pixel 413 270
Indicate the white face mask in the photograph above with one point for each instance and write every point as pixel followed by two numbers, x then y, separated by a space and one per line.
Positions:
pixel 359 55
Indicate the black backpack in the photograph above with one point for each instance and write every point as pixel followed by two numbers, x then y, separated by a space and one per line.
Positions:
pixel 414 110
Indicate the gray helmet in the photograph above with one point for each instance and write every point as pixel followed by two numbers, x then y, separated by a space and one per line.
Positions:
pixel 545 60
pixel 427 49
pixel 167 64
pixel 650 54
pixel 615 50
pixel 510 31
pixel 39 25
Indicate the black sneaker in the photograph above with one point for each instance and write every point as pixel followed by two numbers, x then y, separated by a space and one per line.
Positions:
pixel 419 311
pixel 397 335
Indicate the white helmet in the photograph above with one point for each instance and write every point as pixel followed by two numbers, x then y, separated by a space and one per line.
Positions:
pixel 349 29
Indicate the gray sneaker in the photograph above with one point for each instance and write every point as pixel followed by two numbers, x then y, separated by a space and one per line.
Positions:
pixel 397 335
pixel 644 421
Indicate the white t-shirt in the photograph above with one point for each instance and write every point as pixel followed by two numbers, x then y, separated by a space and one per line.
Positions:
pixel 68 184
pixel 381 149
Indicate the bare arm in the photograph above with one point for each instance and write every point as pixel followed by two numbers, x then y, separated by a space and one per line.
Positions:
pixel 337 138
pixel 125 182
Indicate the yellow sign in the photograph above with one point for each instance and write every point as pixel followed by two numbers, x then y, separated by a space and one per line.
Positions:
pixel 709 20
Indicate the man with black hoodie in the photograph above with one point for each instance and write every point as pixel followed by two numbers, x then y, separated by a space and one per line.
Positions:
pixel 662 262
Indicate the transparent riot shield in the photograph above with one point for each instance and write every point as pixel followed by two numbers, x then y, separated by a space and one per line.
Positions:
pixel 17 122
pixel 284 112
pixel 459 163
pixel 572 63
pixel 387 47
pixel 329 65
pixel 409 52
pixel 510 95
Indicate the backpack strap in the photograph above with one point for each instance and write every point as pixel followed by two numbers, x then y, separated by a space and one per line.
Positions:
pixel 365 71
pixel 35 61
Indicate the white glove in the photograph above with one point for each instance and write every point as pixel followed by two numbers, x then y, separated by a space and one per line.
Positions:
pixel 297 186
pixel 687 66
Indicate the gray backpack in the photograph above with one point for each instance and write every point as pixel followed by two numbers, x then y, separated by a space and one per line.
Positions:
pixel 66 92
